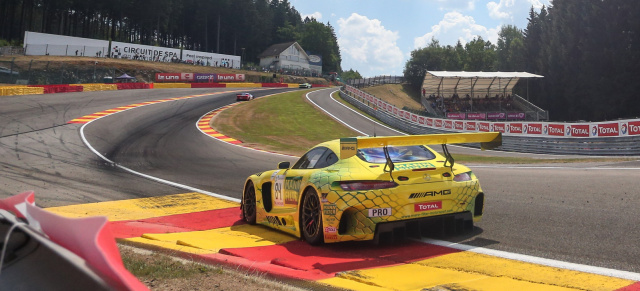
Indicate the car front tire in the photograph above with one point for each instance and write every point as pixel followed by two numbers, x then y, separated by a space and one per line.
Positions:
pixel 311 218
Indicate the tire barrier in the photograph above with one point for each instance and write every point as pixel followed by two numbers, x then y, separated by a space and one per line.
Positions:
pixel 207 85
pixel 66 88
pixel 243 85
pixel 20 90
pixel 171 85
pixel 50 89
pixel 96 87
pixel 129 86
pixel 276 85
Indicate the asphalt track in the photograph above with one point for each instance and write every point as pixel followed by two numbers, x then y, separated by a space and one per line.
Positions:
pixel 578 213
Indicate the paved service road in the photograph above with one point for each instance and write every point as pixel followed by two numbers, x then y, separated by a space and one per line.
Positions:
pixel 581 213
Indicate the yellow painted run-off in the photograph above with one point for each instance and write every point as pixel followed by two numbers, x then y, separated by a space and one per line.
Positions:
pixel 470 271
pixel 462 270
pixel 142 208
pixel 211 241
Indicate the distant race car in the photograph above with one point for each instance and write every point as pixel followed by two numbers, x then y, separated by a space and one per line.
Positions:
pixel 244 96
pixel 370 188
pixel 304 85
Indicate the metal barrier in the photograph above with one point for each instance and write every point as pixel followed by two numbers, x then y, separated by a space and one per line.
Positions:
pixel 609 146
pixel 378 80
pixel 533 112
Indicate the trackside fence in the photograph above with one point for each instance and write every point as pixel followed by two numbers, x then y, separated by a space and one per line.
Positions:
pixel 615 138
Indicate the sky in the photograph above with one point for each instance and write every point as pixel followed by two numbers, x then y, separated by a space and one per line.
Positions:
pixel 376 37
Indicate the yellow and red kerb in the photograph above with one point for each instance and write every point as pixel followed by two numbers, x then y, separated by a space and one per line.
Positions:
pixel 204 124
pixel 93 116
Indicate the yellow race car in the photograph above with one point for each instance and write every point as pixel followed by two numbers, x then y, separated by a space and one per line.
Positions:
pixel 370 188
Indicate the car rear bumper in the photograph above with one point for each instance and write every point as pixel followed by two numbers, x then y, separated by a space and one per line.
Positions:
pixel 441 225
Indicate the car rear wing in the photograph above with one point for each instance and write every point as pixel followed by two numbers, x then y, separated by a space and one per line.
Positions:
pixel 488 140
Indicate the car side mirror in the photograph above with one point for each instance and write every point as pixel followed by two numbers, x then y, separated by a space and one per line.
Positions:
pixel 283 165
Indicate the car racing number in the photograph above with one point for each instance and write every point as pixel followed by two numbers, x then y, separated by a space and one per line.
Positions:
pixel 378 212
pixel 278 190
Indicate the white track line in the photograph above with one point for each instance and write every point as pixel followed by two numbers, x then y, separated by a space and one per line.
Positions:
pixel 167 182
pixel 333 116
pixel 364 116
pixel 537 260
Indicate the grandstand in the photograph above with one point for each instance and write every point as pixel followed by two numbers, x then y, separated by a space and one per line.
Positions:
pixel 478 95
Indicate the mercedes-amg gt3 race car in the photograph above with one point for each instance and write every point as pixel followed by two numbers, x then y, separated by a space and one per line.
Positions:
pixel 370 188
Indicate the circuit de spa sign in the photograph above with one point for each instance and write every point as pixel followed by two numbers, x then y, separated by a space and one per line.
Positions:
pixel 630 127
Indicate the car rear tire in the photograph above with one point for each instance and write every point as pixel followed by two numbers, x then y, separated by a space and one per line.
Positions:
pixel 311 218
pixel 249 204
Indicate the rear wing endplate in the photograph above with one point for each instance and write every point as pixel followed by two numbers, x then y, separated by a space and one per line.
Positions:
pixel 488 140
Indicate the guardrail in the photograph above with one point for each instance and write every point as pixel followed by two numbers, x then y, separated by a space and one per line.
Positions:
pixel 533 112
pixel 378 80
pixel 555 141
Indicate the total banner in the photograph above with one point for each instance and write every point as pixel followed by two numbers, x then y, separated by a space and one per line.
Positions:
pixel 517 128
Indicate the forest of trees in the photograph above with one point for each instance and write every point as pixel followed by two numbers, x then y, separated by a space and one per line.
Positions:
pixel 588 52
pixel 219 26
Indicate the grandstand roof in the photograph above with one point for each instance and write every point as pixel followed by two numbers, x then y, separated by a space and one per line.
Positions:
pixel 473 83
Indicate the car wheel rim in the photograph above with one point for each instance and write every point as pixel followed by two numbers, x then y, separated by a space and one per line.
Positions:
pixel 249 202
pixel 310 215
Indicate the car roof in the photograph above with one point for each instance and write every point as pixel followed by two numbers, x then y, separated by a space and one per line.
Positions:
pixel 333 145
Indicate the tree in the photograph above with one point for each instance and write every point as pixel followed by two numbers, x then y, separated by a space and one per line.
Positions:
pixel 320 39
pixel 350 75
pixel 510 49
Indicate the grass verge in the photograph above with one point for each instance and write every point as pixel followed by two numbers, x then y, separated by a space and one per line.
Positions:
pixel 284 123
pixel 163 272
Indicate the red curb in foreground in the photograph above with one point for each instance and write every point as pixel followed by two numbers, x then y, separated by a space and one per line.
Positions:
pixel 205 220
pixel 321 262
pixel 632 287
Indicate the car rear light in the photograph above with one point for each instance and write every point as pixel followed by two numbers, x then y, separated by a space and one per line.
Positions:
pixel 366 185
pixel 423 169
pixel 462 177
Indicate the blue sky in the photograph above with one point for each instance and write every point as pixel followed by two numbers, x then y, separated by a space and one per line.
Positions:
pixel 376 37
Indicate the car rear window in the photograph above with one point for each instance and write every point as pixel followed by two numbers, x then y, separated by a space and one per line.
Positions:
pixel 398 154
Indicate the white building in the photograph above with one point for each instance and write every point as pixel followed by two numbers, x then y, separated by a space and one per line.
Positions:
pixel 287 57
